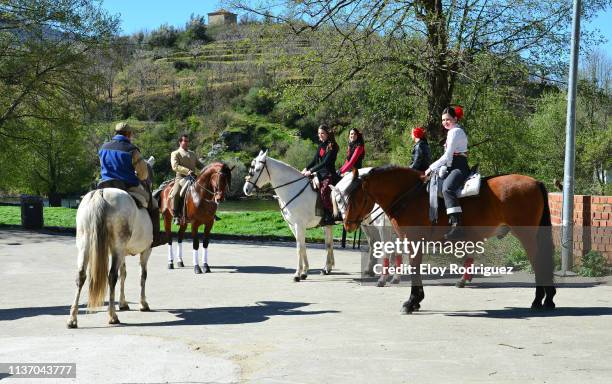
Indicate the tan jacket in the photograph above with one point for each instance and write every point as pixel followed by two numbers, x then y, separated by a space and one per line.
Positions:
pixel 183 162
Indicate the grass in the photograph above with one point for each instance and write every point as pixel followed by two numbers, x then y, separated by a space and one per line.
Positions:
pixel 247 223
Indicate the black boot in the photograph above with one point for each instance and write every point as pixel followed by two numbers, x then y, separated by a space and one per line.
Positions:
pixel 456 232
pixel 158 237
pixel 328 218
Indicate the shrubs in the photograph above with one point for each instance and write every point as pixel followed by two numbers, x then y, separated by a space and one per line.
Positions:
pixel 259 100
pixel 593 264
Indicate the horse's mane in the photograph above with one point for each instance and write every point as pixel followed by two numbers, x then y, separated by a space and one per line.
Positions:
pixel 225 170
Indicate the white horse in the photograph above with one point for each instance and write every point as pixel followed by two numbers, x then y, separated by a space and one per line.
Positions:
pixel 376 226
pixel 109 221
pixel 297 201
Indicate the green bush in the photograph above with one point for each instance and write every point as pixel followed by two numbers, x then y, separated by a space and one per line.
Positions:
pixel 165 36
pixel 593 264
pixel 517 258
pixel 299 153
pixel 259 100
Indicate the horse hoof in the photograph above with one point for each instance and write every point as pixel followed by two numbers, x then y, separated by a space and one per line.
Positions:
pixel 549 305
pixel 460 284
pixel 170 266
pixel 72 324
pixel 197 269
pixel 406 309
pixel 409 307
pixel 395 280
pixel 206 268
pixel 380 283
pixel 303 276
pixel 124 307
pixel 180 264
pixel 114 320
pixel 145 308
pixel 536 305
pixel 296 279
pixel 325 271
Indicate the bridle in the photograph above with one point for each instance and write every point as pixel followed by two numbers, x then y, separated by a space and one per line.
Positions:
pixel 216 190
pixel 356 183
pixel 265 166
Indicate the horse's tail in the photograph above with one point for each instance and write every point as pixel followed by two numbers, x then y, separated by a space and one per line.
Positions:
pixel 545 261
pixel 98 240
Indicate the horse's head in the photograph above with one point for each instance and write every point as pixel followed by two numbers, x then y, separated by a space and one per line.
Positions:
pixel 341 189
pixel 359 204
pixel 216 179
pixel 258 175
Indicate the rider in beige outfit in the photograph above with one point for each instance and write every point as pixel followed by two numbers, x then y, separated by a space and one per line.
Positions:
pixel 184 162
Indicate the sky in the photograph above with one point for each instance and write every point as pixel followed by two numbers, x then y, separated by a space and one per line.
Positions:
pixel 139 15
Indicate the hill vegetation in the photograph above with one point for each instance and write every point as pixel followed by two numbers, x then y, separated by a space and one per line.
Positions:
pixel 238 89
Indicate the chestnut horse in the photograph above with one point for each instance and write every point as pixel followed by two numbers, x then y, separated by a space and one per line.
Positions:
pixel 514 203
pixel 202 199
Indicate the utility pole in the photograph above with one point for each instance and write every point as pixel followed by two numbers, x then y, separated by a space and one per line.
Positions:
pixel 567 241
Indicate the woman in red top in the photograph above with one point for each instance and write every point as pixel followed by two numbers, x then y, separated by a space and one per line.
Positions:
pixel 355 152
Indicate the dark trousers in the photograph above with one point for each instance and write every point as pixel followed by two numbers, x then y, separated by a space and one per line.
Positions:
pixel 325 191
pixel 457 175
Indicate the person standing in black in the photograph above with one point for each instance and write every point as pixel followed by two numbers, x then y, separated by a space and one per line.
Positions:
pixel 421 155
pixel 324 165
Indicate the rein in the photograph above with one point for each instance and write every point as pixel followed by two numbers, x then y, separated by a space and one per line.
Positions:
pixel 412 191
pixel 278 186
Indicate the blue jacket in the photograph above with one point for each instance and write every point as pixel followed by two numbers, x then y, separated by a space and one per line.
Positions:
pixel 116 161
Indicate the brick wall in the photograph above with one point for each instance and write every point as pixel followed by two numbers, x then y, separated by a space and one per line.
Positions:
pixel 592 224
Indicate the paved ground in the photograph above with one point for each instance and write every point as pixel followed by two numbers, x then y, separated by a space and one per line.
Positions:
pixel 248 322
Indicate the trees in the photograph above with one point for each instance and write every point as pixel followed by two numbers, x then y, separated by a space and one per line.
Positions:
pixel 48 81
pixel 435 44
pixel 46 56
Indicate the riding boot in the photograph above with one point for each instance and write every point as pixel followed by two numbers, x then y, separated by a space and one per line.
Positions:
pixel 158 237
pixel 176 211
pixel 328 218
pixel 455 232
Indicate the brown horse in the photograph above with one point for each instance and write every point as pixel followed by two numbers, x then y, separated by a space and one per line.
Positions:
pixel 201 201
pixel 514 203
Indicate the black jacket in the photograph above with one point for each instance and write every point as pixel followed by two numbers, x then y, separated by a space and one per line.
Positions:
pixel 421 156
pixel 324 161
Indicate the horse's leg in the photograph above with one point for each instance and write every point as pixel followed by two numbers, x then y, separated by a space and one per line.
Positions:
pixel 369 269
pixel 113 275
pixel 467 277
pixel 144 258
pixel 397 278
pixel 123 305
pixel 168 229
pixel 417 294
pixel 196 244
pixel 382 280
pixel 179 245
pixel 544 288
pixel 205 242
pixel 329 247
pixel 300 240
pixel 80 280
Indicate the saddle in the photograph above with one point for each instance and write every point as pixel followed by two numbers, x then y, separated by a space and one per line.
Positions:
pixel 119 184
pixel 471 187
